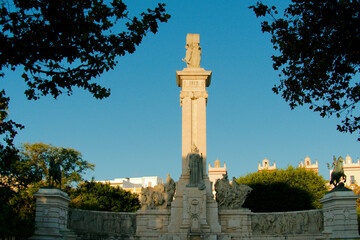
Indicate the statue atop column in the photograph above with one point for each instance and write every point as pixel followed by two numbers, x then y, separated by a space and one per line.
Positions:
pixel 193 51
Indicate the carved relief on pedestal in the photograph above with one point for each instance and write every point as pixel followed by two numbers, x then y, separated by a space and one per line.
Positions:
pixel 310 222
pixel 194 211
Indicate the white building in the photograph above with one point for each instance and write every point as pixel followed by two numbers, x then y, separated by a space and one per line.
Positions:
pixel 134 185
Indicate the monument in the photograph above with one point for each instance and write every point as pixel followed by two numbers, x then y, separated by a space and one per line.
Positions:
pixel 187 209
pixel 194 212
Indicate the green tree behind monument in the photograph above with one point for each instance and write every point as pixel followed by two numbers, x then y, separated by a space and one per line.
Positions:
pixel 290 189
pixel 102 197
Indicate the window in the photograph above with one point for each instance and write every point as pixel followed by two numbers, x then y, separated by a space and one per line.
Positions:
pixel 352 180
pixel 149 184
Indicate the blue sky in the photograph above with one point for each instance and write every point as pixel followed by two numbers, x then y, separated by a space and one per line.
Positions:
pixel 137 130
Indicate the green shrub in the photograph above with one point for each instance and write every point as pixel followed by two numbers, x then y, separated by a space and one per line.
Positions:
pixel 292 189
pixel 102 197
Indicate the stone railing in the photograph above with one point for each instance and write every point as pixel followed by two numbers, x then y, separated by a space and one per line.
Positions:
pixel 102 225
pixel 287 223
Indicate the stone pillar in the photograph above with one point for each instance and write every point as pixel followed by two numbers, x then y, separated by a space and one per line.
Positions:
pixel 194 212
pixel 51 214
pixel 193 98
pixel 340 217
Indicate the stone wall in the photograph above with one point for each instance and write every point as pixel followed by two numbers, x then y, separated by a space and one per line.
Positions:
pixel 91 225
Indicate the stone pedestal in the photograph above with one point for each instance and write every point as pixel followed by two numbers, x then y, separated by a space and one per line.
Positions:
pixel 194 213
pixel 152 223
pixel 236 222
pixel 340 217
pixel 51 214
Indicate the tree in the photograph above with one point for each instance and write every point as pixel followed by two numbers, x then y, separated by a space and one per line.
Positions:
pixel 26 174
pixel 292 189
pixel 103 197
pixel 62 44
pixel 319 56
pixel 36 157
pixel 17 213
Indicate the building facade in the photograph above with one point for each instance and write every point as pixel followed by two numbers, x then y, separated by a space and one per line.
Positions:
pixel 308 165
pixel 216 172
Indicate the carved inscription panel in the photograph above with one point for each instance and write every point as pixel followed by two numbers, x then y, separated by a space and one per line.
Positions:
pixel 194 84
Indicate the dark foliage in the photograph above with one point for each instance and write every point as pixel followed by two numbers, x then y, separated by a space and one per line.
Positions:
pixel 319 58
pixel 62 44
pixel 17 213
pixel 292 189
pixel 277 197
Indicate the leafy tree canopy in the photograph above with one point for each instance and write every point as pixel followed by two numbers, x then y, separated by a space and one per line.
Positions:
pixel 36 157
pixel 103 197
pixel 319 56
pixel 291 189
pixel 62 44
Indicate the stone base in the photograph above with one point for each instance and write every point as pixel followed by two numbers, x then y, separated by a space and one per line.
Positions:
pixel 51 215
pixel 236 222
pixel 193 236
pixel 340 216
pixel 151 223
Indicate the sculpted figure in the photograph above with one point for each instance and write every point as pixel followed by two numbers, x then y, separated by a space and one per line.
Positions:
pixel 195 161
pixel 170 187
pixel 239 193
pixel 231 197
pixel 193 51
pixel 158 197
pixel 54 172
pixel 222 189
pixel 338 172
pixel 152 198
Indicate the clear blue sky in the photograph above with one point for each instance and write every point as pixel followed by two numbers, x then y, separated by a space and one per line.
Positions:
pixel 137 130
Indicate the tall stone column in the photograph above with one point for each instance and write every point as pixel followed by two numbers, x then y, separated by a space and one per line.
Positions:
pixel 193 99
pixel 194 212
